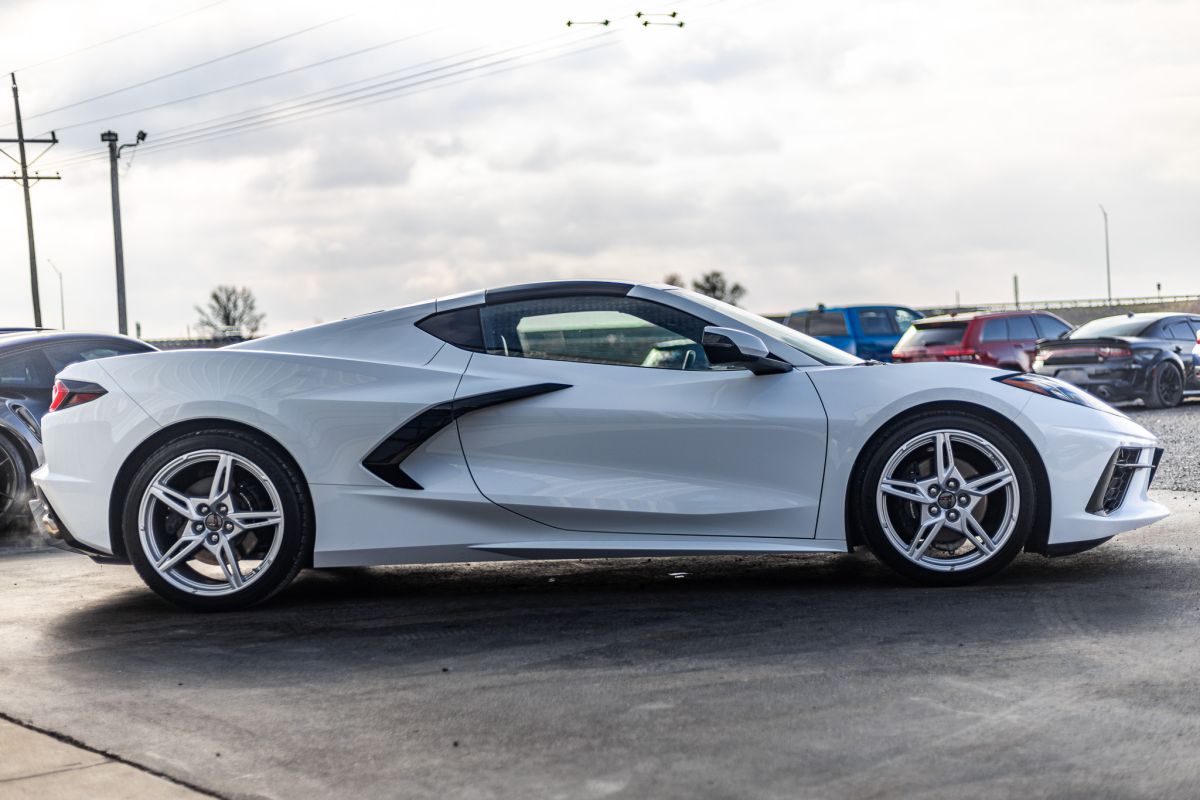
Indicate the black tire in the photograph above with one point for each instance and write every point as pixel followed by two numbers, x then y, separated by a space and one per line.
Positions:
pixel 865 484
pixel 1166 387
pixel 295 505
pixel 14 483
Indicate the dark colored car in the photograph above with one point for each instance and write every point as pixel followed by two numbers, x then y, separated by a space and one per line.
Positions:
pixel 869 332
pixel 1005 339
pixel 28 363
pixel 1148 357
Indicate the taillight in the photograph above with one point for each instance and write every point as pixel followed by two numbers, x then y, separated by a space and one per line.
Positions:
pixel 966 354
pixel 74 393
pixel 1114 352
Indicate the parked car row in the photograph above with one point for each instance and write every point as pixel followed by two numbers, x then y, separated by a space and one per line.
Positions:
pixel 1154 358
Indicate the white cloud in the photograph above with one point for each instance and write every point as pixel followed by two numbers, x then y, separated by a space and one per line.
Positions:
pixel 870 150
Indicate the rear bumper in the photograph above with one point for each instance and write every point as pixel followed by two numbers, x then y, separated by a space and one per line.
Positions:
pixel 1106 381
pixel 57 534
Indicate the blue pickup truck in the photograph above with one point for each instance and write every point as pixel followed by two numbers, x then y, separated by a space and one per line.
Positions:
pixel 865 331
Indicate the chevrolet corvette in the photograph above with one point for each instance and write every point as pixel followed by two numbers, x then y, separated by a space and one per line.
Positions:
pixel 566 420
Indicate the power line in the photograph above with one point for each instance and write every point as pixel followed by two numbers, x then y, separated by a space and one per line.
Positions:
pixel 242 84
pixel 293 105
pixel 286 111
pixel 392 96
pixel 125 35
pixel 202 64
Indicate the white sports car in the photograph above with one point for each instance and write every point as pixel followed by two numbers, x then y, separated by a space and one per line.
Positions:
pixel 564 420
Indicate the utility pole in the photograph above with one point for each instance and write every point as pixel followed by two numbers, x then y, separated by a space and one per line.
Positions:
pixel 1016 292
pixel 62 304
pixel 114 153
pixel 24 178
pixel 1107 260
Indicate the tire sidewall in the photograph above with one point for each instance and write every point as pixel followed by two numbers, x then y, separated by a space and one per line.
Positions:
pixel 21 489
pixel 297 524
pixel 884 446
pixel 1155 399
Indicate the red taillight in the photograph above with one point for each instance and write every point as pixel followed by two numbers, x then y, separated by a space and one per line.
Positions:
pixel 74 393
pixel 965 354
pixel 1114 352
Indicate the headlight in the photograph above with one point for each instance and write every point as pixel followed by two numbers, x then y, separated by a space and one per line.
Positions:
pixel 1053 387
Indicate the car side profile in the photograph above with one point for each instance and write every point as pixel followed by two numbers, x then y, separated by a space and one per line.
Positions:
pixel 568 420
pixel 1147 357
pixel 1004 339
pixel 869 332
pixel 29 359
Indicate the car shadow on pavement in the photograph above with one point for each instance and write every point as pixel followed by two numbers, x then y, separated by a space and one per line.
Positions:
pixel 590 613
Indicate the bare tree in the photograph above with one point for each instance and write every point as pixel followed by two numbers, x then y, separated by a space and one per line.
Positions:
pixel 713 284
pixel 231 309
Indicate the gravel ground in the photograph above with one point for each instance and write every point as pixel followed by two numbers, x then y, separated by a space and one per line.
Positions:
pixel 1178 431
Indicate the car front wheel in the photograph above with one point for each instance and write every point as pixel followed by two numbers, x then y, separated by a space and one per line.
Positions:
pixel 217 520
pixel 947 498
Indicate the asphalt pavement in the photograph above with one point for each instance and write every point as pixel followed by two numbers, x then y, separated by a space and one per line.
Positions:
pixel 768 677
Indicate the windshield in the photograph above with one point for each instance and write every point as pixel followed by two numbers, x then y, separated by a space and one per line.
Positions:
pixel 813 348
pixel 1111 326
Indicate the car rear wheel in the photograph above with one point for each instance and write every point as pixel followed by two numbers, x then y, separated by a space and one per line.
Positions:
pixel 1166 387
pixel 14 483
pixel 217 520
pixel 946 499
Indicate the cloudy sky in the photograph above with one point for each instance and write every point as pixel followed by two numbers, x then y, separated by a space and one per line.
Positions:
pixel 860 151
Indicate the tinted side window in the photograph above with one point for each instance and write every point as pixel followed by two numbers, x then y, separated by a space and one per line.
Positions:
pixel 994 330
pixel 25 369
pixel 623 331
pixel 877 322
pixel 1050 328
pixel 1021 328
pixel 1179 330
pixel 797 322
pixel 904 318
pixel 459 327
pixel 827 323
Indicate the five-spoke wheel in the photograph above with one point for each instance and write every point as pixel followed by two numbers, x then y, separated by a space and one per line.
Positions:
pixel 217 520
pixel 946 498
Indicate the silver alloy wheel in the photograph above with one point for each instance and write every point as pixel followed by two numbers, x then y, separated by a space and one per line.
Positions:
pixel 947 500
pixel 211 522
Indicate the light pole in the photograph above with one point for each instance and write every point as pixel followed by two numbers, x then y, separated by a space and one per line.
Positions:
pixel 62 304
pixel 114 153
pixel 1107 260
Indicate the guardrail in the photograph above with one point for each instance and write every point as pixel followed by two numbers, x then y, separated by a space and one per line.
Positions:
pixel 1101 302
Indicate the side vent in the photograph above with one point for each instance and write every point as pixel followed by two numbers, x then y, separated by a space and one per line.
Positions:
pixel 385 460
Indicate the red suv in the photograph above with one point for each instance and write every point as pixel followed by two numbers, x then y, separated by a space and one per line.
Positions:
pixel 1005 339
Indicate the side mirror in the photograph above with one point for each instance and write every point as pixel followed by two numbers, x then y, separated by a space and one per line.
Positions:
pixel 730 347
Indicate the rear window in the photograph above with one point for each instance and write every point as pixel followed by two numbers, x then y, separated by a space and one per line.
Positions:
pixel 826 323
pixel 933 334
pixel 1111 326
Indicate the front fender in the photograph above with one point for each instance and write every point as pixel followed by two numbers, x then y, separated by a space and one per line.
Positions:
pixel 860 400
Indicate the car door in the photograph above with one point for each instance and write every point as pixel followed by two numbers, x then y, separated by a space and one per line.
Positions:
pixel 609 442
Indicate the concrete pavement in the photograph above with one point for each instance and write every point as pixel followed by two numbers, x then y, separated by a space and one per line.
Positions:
pixel 764 677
